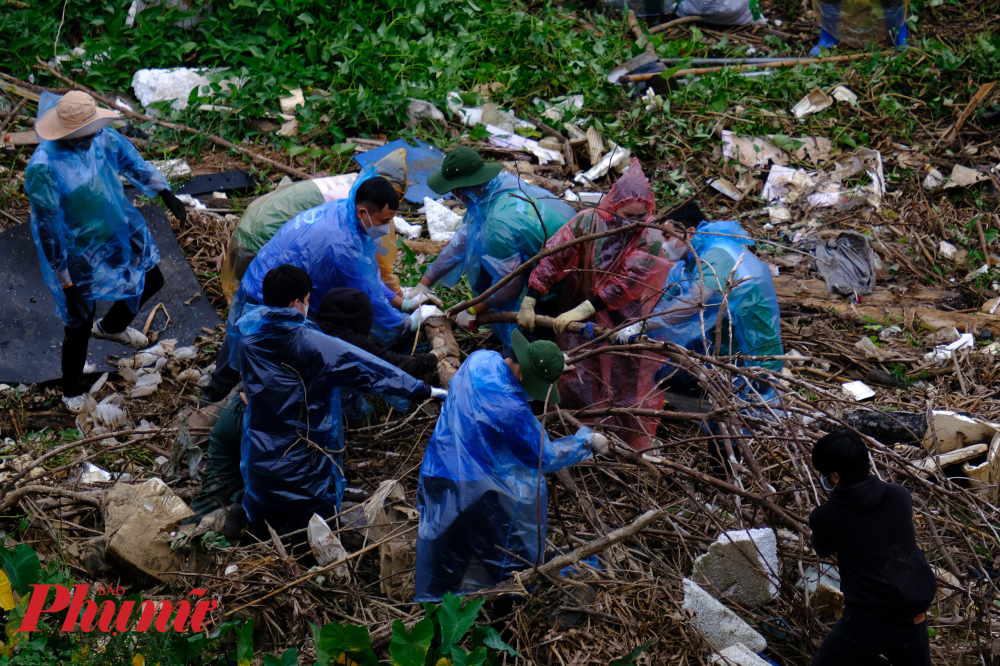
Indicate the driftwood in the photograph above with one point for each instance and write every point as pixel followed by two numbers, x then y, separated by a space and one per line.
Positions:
pixel 438 332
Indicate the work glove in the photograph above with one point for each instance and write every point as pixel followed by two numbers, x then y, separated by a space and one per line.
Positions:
pixel 76 303
pixel 526 315
pixel 629 335
pixel 422 314
pixel 579 313
pixel 466 320
pixel 599 443
pixel 174 205
pixel 416 296
pixel 438 394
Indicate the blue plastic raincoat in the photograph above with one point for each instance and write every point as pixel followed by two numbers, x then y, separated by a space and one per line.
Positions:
pixel 329 243
pixel 292 451
pixel 753 306
pixel 499 233
pixel 86 230
pixel 479 486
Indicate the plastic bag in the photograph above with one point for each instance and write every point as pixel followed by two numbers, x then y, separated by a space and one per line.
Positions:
pixel 500 232
pixel 479 485
pixel 328 243
pixel 859 22
pixel 627 272
pixel 292 454
pixel 267 214
pixel 82 221
pixel 721 12
pixel 846 263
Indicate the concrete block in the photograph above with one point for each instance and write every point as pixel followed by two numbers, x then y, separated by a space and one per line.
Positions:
pixel 742 565
pixel 721 627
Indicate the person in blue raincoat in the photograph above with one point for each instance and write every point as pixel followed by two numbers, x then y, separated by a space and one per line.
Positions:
pixel 479 494
pixel 93 245
pixel 335 244
pixel 500 232
pixel 292 449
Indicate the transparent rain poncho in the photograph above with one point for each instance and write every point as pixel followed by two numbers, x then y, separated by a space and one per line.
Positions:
pixel 479 485
pixel 83 224
pixel 859 22
pixel 329 243
pixel 751 323
pixel 499 233
pixel 293 376
pixel 267 214
pixel 627 272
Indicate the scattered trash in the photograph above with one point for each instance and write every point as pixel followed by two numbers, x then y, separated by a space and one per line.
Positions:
pixel 720 626
pixel 944 353
pixel 616 158
pixel 420 112
pixel 290 103
pixel 964 177
pixel 927 466
pixel 871 350
pixel 858 390
pixel 814 102
pixel 823 586
pixel 398 557
pixel 191 202
pixel 410 231
pixel 727 188
pixel 182 450
pixel 173 169
pixel 441 222
pixel 721 12
pixel 956 431
pixel 742 565
pixel 846 263
pixel 842 93
pixel 738 655
pixel 326 547
pixel 174 85
pixel 146 385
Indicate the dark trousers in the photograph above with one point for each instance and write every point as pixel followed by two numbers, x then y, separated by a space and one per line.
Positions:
pixel 75 340
pixel 475 533
pixel 223 483
pixel 860 641
pixel 225 376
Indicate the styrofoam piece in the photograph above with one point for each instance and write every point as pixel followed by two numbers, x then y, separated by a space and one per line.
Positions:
pixel 947 249
pixel 814 102
pixel 738 655
pixel 984 478
pixel 944 353
pixel 442 223
pixel 592 198
pixel 293 99
pixel 502 138
pixel 162 85
pixel 570 195
pixel 189 375
pixel 742 565
pixel 91 473
pixel 616 158
pixel 721 627
pixel 411 231
pixel 934 180
pixel 927 466
pixel 842 93
pixel 858 390
pixel 823 586
pixel 191 202
pixel 955 431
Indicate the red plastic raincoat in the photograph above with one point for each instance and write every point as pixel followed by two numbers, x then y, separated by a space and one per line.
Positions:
pixel 627 272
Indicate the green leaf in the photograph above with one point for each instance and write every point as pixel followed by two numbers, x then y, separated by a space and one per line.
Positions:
pixel 460 657
pixel 290 657
pixel 352 640
pixel 633 655
pixel 343 148
pixel 494 641
pixel 782 141
pixel 187 47
pixel 456 619
pixel 410 649
pixel 305 18
pixel 22 568
pixel 244 643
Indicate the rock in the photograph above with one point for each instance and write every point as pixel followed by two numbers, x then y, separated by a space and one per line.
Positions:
pixel 823 584
pixel 742 565
pixel 721 627
pixel 137 522
pixel 738 655
pixel 289 129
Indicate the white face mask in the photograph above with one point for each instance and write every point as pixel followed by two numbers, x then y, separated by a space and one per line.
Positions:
pixel 675 250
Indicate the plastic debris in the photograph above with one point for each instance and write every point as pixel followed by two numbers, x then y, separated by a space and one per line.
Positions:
pixel 823 587
pixel 441 222
pixel 191 202
pixel 186 353
pixel 944 353
pixel 858 390
pixel 871 350
pixel 419 112
pixel 616 158
pixel 326 547
pixel 842 93
pixel 410 231
pixel 955 431
pixel 146 385
pixel 91 473
pixel 742 565
pixel 164 85
pixel 814 102
pixel 928 466
pixel 947 249
pixel 721 627
pixel 173 169
pixel 183 449
pixel 721 12
pixel 727 188
pixel 846 263
pixel 189 375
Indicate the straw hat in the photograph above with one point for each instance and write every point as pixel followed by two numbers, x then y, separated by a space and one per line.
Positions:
pixel 75 115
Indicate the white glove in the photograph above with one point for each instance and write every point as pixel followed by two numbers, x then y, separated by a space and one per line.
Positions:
pixel 599 443
pixel 526 315
pixel 466 320
pixel 629 334
pixel 415 296
pixel 422 314
pixel 441 394
pixel 579 313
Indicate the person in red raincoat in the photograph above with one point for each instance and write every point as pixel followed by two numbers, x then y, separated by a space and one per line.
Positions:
pixel 609 281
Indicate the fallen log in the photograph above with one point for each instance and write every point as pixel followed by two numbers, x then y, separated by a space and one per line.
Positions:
pixel 439 335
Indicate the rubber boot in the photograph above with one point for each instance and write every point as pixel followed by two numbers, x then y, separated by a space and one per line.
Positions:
pixel 826 41
pixel 895 21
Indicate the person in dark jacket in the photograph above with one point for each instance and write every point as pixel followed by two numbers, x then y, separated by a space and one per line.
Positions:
pixel 887 584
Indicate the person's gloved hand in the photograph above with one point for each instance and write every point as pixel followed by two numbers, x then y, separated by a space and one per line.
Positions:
pixel 76 303
pixel 174 205
pixel 526 315
pixel 629 334
pixel 466 320
pixel 579 313
pixel 438 393
pixel 416 296
pixel 422 314
pixel 599 443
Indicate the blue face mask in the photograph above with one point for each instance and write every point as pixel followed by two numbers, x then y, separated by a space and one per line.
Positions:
pixel 822 482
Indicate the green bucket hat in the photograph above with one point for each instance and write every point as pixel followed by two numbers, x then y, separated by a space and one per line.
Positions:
pixel 462 167
pixel 541 366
